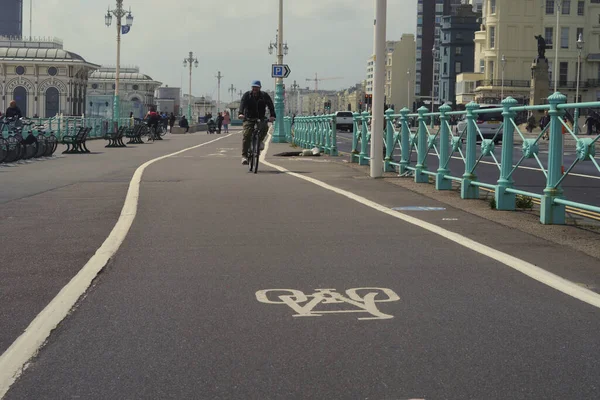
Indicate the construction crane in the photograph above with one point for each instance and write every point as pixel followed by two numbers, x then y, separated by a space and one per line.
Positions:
pixel 316 80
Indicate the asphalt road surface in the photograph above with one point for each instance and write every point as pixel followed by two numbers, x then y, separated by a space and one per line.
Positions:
pixel 232 285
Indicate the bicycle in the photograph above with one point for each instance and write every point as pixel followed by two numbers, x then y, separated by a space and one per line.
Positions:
pixel 254 151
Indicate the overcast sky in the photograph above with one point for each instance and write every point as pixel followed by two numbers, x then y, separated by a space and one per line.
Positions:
pixel 331 37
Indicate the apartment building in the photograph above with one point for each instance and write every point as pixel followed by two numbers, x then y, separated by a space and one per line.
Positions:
pixel 508 29
pixel 400 73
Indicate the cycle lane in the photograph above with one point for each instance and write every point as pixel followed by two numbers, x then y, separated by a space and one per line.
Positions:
pixel 54 215
pixel 180 312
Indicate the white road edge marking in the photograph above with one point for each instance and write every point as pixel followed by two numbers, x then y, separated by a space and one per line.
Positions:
pixel 547 278
pixel 26 346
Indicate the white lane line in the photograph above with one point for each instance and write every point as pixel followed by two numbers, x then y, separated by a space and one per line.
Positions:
pixel 26 346
pixel 547 278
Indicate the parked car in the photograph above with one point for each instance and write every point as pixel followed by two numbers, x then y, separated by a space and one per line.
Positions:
pixel 344 121
pixel 488 124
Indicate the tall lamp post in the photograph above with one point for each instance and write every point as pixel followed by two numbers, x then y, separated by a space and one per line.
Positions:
pixel 408 105
pixel 503 62
pixel 556 44
pixel 190 61
pixel 580 44
pixel 433 55
pixel 119 13
pixel 279 134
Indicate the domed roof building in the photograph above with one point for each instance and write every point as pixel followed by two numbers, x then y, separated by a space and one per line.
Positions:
pixel 42 77
pixel 136 92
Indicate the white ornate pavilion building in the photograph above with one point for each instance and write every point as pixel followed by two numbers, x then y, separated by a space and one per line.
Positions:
pixel 42 77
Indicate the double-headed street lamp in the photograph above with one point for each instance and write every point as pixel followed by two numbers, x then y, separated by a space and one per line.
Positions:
pixel 190 60
pixel 555 68
pixel 503 62
pixel 119 13
pixel 580 44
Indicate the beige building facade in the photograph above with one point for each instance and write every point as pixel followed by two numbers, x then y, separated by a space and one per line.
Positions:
pixel 400 73
pixel 509 28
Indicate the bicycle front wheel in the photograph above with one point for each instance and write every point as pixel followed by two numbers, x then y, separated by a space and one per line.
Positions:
pixel 255 152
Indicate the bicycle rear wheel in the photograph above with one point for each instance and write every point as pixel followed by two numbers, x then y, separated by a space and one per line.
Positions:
pixel 251 156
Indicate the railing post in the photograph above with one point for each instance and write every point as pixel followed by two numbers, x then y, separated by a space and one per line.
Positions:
pixel 420 177
pixel 404 141
pixel 355 133
pixel 389 141
pixel 506 201
pixel 320 142
pixel 468 191
pixel 551 213
pixel 334 151
pixel 441 183
pixel 364 145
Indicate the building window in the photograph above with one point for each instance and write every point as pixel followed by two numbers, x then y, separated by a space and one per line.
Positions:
pixel 94 86
pixel 458 67
pixel 459 35
pixel 549 36
pixel 135 87
pixel 492 37
pixel 445 68
pixel 549 6
pixel 598 73
pixel 458 51
pixel 563 73
pixel 580 7
pixel 52 71
pixel 566 7
pixel 493 6
pixel 579 32
pixel 564 38
pixel 20 70
pixel 482 66
pixel 491 69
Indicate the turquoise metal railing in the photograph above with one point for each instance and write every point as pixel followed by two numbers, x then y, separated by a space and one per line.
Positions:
pixel 446 144
pixel 315 131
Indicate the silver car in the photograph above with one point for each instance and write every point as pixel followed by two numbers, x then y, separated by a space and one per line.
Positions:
pixel 489 124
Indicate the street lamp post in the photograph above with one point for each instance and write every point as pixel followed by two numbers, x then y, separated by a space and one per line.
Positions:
pixel 190 61
pixel 503 62
pixel 408 105
pixel 556 44
pixel 119 13
pixel 580 44
pixel 279 133
pixel 433 55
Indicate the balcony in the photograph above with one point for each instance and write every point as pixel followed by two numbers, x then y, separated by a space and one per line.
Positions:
pixel 507 83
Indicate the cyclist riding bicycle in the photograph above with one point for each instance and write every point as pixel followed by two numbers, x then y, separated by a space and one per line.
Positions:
pixel 253 108
pixel 153 120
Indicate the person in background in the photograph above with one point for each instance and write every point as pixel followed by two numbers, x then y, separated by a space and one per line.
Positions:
pixel 219 122
pixel 226 121
pixel 171 122
pixel 183 122
pixel 13 111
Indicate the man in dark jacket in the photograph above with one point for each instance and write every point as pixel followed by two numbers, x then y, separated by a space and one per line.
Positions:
pixel 252 108
pixel 13 111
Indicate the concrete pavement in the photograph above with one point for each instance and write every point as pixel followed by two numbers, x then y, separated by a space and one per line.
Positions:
pixel 177 313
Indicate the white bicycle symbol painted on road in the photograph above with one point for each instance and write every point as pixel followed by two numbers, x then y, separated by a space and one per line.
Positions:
pixel 363 299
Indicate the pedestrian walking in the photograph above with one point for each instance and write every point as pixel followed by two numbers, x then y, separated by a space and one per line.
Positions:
pixel 171 122
pixel 226 121
pixel 219 122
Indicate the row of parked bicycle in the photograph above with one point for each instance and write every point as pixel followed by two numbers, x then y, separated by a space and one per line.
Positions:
pixel 21 139
pixel 21 143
